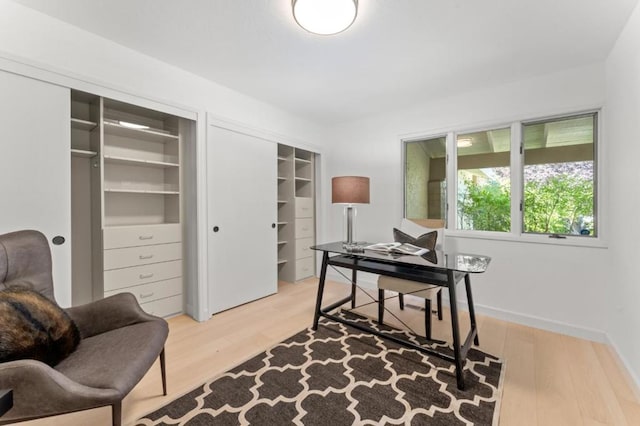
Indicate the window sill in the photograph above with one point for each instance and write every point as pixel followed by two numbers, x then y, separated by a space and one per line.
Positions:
pixel 529 239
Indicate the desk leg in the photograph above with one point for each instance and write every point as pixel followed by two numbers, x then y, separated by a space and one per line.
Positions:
pixel 380 306
pixel 472 309
pixel 455 329
pixel 323 276
pixel 354 275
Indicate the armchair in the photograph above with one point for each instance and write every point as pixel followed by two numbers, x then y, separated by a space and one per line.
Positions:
pixel 119 343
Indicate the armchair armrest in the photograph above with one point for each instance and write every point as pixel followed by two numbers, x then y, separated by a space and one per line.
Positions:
pixel 119 310
pixel 39 390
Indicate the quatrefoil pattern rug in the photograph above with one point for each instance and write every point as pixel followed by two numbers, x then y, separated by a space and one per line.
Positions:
pixel 338 375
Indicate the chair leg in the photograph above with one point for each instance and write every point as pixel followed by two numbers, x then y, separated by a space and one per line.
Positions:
pixel 440 305
pixel 163 371
pixel 401 300
pixel 427 319
pixel 116 413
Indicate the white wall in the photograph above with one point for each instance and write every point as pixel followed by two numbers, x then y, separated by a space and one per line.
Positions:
pixel 622 129
pixel 554 287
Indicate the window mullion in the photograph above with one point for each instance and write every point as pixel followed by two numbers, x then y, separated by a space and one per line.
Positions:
pixel 452 182
pixel 517 196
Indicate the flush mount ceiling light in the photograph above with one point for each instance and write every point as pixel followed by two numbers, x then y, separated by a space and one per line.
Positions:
pixel 465 143
pixel 325 17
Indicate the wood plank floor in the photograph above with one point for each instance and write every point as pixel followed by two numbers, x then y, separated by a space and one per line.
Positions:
pixel 550 379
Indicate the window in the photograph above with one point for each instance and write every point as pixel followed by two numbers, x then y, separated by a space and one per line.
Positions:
pixel 425 179
pixel 527 177
pixel 484 182
pixel 559 176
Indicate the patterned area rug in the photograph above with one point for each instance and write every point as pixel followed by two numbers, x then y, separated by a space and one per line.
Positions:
pixel 341 376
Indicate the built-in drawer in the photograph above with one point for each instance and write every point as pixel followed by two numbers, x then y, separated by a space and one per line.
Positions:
pixel 304 228
pixel 144 255
pixel 164 307
pixel 304 207
pixel 132 236
pixel 136 275
pixel 302 248
pixel 153 291
pixel 304 268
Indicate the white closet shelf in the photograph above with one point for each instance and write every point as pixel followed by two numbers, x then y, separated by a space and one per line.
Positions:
pixel 77 123
pixel 82 153
pixel 281 178
pixel 282 201
pixel 139 191
pixel 282 242
pixel 281 261
pixel 113 127
pixel 302 160
pixel 280 158
pixel 282 223
pixel 301 179
pixel 138 162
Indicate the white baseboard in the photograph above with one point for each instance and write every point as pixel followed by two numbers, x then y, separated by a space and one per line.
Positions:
pixel 634 383
pixel 538 322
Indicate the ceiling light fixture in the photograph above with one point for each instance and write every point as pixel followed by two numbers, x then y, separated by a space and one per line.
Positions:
pixel 324 17
pixel 464 143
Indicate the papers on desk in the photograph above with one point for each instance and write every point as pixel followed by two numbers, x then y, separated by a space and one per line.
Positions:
pixel 398 248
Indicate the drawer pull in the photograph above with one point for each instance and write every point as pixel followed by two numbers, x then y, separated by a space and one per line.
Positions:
pixel 145 276
pixel 144 257
pixel 144 296
pixel 145 237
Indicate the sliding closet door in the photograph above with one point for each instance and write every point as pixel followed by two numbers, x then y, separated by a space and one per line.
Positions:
pixel 242 212
pixel 35 168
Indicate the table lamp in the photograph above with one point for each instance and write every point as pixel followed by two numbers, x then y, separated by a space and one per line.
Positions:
pixel 350 190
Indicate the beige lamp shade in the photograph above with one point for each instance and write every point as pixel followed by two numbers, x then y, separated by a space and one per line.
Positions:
pixel 350 190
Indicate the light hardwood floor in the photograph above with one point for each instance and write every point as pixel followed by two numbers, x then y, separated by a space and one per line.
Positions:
pixel 550 379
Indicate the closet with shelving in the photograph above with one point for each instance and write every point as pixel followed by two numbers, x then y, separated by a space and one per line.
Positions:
pixel 127 203
pixel 296 213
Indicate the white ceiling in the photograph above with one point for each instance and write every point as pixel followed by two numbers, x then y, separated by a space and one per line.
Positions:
pixel 397 53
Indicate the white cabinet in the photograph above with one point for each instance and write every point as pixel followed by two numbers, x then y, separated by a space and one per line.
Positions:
pixel 304 207
pixel 296 213
pixel 303 247
pixel 241 186
pixel 151 272
pixel 141 166
pixel 106 178
pixel 34 167
pixel 132 236
pixel 129 215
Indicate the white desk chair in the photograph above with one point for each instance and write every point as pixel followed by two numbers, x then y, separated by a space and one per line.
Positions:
pixel 411 287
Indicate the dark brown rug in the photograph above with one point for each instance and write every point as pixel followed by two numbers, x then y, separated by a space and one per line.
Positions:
pixel 341 376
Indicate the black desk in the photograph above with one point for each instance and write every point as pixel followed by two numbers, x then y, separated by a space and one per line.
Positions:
pixel 434 268
pixel 6 400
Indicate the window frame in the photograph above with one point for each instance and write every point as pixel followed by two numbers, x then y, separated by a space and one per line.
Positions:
pixel 516 233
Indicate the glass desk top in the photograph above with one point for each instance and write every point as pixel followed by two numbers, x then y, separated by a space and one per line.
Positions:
pixel 435 259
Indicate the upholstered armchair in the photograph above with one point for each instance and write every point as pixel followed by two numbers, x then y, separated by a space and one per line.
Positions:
pixel 118 343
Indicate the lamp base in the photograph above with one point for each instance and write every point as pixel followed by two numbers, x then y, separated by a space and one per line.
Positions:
pixel 348 225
